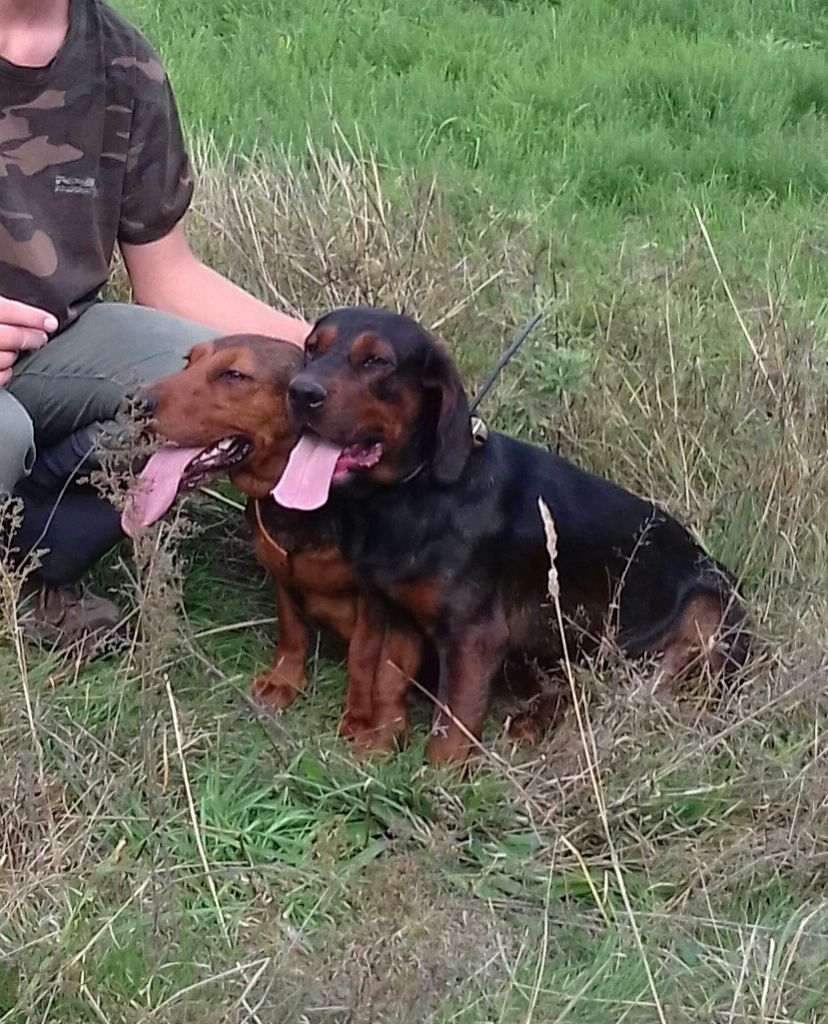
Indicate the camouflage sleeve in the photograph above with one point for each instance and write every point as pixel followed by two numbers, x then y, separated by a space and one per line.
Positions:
pixel 157 183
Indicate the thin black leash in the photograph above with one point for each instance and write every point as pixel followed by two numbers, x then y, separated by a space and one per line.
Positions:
pixel 520 337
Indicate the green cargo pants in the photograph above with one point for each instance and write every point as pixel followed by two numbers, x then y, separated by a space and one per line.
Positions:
pixel 59 400
pixel 78 379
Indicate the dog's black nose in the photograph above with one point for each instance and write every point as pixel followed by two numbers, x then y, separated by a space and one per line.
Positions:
pixel 306 394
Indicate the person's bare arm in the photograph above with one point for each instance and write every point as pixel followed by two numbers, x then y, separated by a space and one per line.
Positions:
pixel 167 275
pixel 22 328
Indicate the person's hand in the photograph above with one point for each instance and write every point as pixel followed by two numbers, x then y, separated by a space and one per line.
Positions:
pixel 22 328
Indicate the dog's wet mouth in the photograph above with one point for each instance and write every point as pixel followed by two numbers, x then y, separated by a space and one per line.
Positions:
pixel 356 456
pixel 315 464
pixel 173 469
pixel 218 458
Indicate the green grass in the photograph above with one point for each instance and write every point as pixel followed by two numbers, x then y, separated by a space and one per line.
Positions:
pixel 570 143
pixel 602 119
pixel 600 102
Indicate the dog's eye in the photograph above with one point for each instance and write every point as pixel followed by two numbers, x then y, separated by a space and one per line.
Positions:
pixel 233 375
pixel 373 362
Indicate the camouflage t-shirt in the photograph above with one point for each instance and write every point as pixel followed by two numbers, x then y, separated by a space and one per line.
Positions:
pixel 90 152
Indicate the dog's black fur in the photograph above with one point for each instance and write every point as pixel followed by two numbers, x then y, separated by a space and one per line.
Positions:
pixel 452 533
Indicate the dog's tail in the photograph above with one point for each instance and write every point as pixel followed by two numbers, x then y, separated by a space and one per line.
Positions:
pixel 735 639
pixel 732 639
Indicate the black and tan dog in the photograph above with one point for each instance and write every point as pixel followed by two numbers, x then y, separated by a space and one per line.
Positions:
pixel 452 534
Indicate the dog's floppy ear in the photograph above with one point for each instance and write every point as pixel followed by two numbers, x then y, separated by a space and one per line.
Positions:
pixel 452 438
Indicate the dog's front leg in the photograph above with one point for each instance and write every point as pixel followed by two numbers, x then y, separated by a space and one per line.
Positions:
pixel 286 677
pixel 469 658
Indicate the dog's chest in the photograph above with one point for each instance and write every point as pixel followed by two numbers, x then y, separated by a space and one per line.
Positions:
pixel 394 541
pixel 293 532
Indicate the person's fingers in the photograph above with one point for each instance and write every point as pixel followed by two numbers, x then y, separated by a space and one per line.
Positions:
pixel 5 377
pixel 20 339
pixel 7 360
pixel 18 314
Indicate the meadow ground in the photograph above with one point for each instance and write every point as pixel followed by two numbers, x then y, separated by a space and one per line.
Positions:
pixel 653 175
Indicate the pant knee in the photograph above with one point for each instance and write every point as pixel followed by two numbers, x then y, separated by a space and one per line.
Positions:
pixel 82 376
pixel 17 450
pixel 158 341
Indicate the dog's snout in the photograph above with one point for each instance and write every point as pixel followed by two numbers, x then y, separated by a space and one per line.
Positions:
pixel 306 394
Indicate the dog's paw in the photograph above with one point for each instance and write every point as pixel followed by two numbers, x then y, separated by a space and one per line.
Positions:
pixel 272 691
pixel 352 726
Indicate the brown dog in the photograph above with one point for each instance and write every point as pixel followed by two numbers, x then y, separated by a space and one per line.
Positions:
pixel 226 412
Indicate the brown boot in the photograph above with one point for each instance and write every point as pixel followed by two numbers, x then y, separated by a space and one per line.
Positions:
pixel 60 616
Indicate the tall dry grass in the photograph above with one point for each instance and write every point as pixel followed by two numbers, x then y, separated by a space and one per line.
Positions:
pixel 648 378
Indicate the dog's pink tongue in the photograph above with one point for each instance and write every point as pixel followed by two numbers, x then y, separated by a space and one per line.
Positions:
pixel 156 489
pixel 306 481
